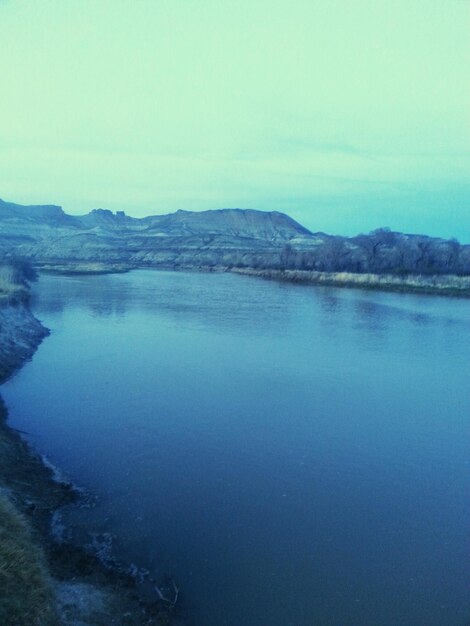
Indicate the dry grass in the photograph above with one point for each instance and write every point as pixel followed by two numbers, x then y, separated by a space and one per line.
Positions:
pixel 9 287
pixel 437 283
pixel 26 598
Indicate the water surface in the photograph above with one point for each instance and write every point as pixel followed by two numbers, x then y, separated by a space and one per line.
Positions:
pixel 291 455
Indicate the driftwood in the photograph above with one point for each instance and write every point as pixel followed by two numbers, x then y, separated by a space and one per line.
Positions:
pixel 164 598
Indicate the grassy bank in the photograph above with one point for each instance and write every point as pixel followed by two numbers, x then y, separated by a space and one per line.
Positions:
pixel 448 285
pixel 27 598
pixel 27 495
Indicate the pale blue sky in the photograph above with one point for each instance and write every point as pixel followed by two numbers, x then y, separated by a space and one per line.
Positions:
pixel 346 114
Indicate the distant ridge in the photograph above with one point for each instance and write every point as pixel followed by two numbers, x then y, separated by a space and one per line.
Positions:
pixel 32 212
pixel 216 239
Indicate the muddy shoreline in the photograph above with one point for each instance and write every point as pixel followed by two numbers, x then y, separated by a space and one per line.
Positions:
pixel 87 590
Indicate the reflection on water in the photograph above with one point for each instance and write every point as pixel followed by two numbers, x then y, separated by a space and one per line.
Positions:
pixel 176 297
pixel 293 455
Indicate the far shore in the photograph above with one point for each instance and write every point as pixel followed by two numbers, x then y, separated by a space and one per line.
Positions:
pixel 433 284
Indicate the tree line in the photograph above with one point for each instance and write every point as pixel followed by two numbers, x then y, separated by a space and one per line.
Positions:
pixel 381 251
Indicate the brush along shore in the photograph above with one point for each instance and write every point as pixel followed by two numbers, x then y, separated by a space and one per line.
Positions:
pixel 449 285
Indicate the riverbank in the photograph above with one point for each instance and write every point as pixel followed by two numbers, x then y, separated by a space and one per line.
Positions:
pixel 85 268
pixel 434 284
pixel 444 285
pixel 44 580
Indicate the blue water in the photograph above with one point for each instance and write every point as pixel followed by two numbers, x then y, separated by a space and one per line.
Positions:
pixel 291 455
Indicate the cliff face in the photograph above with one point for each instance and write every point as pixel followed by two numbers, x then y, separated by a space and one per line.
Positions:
pixel 47 235
pixel 229 238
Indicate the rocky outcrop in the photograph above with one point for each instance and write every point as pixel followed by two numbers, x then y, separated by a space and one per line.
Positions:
pixel 48 235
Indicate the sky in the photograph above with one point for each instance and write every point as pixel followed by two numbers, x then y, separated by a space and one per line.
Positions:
pixel 346 114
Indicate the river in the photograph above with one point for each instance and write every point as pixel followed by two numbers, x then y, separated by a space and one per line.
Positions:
pixel 291 455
